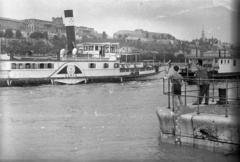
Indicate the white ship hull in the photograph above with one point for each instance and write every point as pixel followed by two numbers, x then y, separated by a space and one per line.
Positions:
pixel 72 72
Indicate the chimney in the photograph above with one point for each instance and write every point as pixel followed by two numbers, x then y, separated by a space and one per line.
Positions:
pixel 70 31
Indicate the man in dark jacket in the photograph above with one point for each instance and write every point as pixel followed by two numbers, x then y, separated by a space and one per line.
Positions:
pixel 203 84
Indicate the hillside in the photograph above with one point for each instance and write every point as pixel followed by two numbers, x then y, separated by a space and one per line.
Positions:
pixel 216 21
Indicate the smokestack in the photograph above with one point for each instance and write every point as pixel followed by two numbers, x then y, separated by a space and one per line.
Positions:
pixel 70 31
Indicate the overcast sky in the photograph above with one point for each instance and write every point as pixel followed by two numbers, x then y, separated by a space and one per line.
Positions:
pixel 106 15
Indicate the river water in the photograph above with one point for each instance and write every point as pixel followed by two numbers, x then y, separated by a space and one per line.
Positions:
pixel 89 122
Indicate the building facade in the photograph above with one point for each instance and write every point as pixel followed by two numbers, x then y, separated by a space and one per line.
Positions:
pixel 13 24
pixel 54 27
pixel 81 31
pixel 144 36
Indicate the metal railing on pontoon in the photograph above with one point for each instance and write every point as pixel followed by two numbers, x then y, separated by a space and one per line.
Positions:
pixel 223 89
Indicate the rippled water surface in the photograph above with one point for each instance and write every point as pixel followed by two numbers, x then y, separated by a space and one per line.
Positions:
pixel 89 122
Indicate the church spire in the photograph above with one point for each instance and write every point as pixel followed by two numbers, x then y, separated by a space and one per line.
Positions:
pixel 203 34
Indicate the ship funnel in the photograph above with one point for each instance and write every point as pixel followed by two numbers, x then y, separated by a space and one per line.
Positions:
pixel 70 31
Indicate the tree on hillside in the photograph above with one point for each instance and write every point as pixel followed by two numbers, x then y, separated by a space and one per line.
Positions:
pixel 147 35
pixel 18 34
pixel 58 43
pixel 8 33
pixel 40 47
pixel 104 35
pixel 119 36
pixel 36 35
pixel 2 33
pixel 45 35
pixel 180 58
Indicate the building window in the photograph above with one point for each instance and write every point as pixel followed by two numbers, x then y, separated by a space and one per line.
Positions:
pixel 92 65
pixel 234 62
pixel 105 65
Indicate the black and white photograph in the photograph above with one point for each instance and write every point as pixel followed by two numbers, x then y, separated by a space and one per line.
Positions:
pixel 119 81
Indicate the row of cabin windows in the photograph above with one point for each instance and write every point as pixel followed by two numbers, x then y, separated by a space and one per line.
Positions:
pixel 32 66
pixel 105 65
pixel 51 66
pixel 98 48
pixel 228 61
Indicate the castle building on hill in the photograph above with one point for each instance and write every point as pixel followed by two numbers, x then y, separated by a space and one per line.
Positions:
pixel 54 27
pixel 144 36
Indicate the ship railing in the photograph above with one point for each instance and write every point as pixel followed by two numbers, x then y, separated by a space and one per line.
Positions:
pixel 225 90
pixel 77 58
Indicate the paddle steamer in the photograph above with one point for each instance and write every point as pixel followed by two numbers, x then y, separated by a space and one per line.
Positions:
pixel 79 63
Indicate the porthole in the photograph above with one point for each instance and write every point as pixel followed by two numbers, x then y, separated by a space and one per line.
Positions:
pixel 116 65
pixel 105 65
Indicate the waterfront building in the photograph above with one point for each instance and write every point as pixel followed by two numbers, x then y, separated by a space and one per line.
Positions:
pixel 81 31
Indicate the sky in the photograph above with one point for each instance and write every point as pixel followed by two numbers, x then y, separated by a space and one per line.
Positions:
pixel 107 15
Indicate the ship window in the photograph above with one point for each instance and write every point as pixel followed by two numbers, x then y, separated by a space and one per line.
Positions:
pixel 116 65
pixel 34 66
pixel 27 66
pixel 234 62
pixel 105 65
pixel 221 61
pixel 107 50
pixel 92 65
pixel 90 48
pixel 20 66
pixel 96 48
pixel 41 66
pixel 13 66
pixel 50 66
pixel 85 48
pixel 216 61
pixel 112 50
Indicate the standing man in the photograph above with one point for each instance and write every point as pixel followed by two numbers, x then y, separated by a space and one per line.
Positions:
pixel 177 81
pixel 203 84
